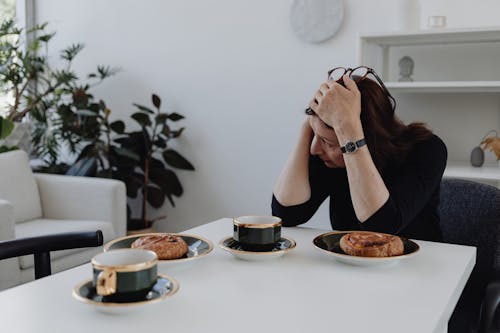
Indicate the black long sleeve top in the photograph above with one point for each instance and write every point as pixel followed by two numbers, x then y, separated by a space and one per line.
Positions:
pixel 410 211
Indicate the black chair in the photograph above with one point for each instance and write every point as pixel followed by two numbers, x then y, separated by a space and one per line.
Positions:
pixel 41 247
pixel 470 215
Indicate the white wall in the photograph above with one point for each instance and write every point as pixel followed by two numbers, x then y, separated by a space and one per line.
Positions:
pixel 233 68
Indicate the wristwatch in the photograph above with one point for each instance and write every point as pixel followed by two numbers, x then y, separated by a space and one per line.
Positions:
pixel 351 147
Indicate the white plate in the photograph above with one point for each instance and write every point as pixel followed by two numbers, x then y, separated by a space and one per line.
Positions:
pixel 329 243
pixel 284 245
pixel 164 288
pixel 197 247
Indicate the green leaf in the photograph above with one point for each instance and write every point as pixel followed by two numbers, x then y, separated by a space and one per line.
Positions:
pixel 161 143
pixel 176 134
pixel 4 149
pixel 156 197
pixel 106 71
pixel 118 126
pixel 133 183
pixel 143 108
pixel 167 180
pixel 47 37
pixel 127 153
pixel 142 119
pixel 174 116
pixel 155 163
pixel 156 100
pixel 6 127
pixel 70 52
pixel 176 160
pixel 161 118
pixel 166 130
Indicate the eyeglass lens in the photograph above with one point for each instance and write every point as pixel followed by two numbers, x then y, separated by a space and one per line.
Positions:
pixel 337 73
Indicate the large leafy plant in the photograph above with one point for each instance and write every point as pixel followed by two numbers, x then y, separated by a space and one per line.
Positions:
pixel 35 87
pixel 83 127
pixel 142 159
pixel 146 163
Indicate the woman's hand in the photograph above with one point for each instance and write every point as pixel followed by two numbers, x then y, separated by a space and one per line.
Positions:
pixel 338 106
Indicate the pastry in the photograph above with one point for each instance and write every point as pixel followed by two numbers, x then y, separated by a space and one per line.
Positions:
pixel 371 244
pixel 166 246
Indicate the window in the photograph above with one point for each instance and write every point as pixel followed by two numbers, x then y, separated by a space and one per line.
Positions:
pixel 7 12
pixel 7 9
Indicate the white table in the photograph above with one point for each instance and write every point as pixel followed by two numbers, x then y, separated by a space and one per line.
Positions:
pixel 303 291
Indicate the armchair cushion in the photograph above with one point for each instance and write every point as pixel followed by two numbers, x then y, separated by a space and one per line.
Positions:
pixel 19 186
pixel 42 227
pixel 86 198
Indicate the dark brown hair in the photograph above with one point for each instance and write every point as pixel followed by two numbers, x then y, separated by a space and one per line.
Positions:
pixel 388 138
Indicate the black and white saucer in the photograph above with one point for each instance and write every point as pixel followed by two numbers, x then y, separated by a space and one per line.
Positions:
pixel 284 245
pixel 164 287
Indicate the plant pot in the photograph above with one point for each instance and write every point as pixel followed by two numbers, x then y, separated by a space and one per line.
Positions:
pixel 141 231
pixel 134 227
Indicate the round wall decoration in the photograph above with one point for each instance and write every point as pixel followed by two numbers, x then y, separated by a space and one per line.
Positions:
pixel 315 21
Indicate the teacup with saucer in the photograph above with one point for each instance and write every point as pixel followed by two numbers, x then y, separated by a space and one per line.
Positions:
pixel 124 279
pixel 257 238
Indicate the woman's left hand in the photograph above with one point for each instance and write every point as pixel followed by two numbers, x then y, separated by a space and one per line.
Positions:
pixel 338 106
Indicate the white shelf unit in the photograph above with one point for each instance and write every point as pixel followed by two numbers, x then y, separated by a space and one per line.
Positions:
pixel 463 170
pixel 463 48
pixel 374 51
pixel 444 86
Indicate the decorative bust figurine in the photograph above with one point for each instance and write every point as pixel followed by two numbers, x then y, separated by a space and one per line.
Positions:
pixel 406 69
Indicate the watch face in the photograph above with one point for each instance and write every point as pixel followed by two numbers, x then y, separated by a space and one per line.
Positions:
pixel 350 147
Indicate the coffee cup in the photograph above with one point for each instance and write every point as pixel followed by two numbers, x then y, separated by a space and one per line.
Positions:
pixel 126 274
pixel 257 233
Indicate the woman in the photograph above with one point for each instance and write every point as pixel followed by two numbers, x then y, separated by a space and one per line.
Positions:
pixel 379 173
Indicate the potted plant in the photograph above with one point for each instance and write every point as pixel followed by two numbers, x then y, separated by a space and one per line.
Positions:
pixel 33 86
pixel 142 159
pixel 152 173
pixel 82 126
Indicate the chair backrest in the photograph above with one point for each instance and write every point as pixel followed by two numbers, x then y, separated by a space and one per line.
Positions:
pixel 470 215
pixel 41 246
pixel 18 185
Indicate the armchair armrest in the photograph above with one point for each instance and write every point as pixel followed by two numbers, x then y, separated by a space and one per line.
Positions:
pixel 9 268
pixel 490 309
pixel 7 223
pixel 71 197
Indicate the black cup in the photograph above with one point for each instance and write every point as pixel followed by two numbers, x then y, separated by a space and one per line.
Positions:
pixel 257 233
pixel 125 274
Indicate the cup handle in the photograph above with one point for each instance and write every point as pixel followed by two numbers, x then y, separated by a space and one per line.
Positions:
pixel 106 282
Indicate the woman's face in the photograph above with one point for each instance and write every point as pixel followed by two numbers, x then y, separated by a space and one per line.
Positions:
pixel 325 144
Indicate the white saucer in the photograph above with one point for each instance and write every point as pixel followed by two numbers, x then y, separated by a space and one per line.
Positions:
pixel 164 288
pixel 284 245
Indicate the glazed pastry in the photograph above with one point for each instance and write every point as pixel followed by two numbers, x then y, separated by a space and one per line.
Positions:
pixel 371 244
pixel 166 246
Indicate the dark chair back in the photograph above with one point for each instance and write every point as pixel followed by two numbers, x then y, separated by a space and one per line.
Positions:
pixel 470 215
pixel 41 247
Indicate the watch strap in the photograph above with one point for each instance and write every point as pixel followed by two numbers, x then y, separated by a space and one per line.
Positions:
pixel 351 147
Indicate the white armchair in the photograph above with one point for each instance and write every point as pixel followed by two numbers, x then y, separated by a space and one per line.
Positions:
pixel 41 204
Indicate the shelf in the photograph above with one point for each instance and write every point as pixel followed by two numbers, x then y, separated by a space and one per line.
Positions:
pixel 435 36
pixel 444 86
pixel 462 170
